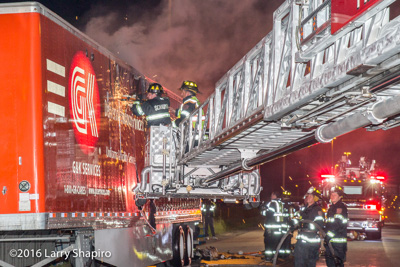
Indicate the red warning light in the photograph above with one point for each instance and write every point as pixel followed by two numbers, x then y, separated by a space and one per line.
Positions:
pixel 329 178
pixel 370 207
pixel 377 177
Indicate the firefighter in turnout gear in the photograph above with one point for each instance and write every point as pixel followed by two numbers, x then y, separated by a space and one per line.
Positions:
pixel 336 229
pixel 189 90
pixel 156 108
pixel 275 226
pixel 306 251
pixel 288 213
pixel 207 210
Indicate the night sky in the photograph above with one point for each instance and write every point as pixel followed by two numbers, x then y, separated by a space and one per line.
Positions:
pixel 175 40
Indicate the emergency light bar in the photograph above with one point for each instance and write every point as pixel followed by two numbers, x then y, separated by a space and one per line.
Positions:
pixel 378 177
pixel 328 177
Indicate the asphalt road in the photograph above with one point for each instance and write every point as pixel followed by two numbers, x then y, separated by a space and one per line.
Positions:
pixel 246 244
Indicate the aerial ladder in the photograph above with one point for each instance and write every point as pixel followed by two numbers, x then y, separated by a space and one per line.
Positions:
pixel 313 78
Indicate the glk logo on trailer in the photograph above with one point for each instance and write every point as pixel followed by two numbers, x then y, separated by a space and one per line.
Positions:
pixel 84 102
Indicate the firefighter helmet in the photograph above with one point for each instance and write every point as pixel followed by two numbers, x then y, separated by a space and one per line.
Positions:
pixel 315 192
pixel 155 88
pixel 286 195
pixel 190 86
pixel 337 189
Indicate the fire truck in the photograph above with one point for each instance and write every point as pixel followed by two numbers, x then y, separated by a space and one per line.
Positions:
pixel 363 188
pixel 85 180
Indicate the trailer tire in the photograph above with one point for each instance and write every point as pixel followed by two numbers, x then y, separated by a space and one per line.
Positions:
pixel 178 247
pixel 375 235
pixel 189 245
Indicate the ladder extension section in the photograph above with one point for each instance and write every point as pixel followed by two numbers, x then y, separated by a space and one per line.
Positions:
pixel 307 81
pixel 297 79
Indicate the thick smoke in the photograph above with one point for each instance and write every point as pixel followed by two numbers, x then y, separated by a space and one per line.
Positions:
pixel 200 40
pixel 172 41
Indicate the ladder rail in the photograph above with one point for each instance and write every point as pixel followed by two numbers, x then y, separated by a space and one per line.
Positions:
pixel 282 75
pixel 290 91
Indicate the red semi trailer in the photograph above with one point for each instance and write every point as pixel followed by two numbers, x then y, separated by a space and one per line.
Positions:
pixel 71 153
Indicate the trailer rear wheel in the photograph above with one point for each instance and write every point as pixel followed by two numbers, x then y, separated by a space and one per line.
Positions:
pixel 189 245
pixel 375 235
pixel 178 247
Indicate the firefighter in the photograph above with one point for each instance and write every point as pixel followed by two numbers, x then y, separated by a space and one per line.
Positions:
pixel 207 209
pixel 275 226
pixel 288 211
pixel 336 229
pixel 189 90
pixel 156 108
pixel 306 251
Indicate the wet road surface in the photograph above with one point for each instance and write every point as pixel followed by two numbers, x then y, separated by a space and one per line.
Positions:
pixel 249 244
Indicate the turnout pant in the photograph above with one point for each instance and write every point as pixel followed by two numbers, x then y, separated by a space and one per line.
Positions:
pixel 306 254
pixel 209 222
pixel 271 241
pixel 340 250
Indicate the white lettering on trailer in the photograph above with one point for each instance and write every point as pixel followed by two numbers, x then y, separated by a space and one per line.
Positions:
pixel 125 119
pixel 79 99
pixel 56 68
pixel 55 109
pixel 86 168
pixel 92 115
pixel 82 101
pixel 82 190
pixel 91 169
pixel 99 191
pixel 76 167
pixel 120 155
pixel 55 88
pixel 75 189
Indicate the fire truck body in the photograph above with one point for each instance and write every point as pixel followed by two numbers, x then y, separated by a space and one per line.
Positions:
pixel 363 196
pixel 72 152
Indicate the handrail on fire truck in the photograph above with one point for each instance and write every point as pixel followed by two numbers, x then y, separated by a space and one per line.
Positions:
pixel 307 81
